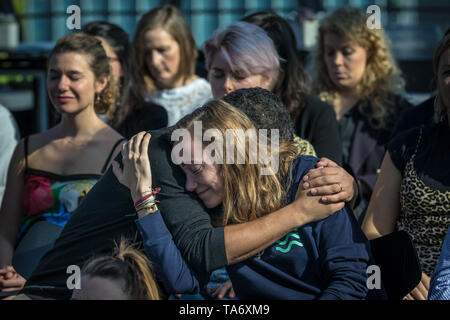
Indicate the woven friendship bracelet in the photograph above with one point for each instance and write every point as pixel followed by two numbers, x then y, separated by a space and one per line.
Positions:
pixel 152 193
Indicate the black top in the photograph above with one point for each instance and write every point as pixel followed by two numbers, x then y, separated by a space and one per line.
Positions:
pixel 364 147
pixel 107 213
pixel 347 126
pixel 317 124
pixel 150 117
pixel 421 115
pixel 432 157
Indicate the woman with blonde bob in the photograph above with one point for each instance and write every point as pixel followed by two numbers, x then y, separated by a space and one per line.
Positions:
pixel 413 190
pixel 295 267
pixel 356 73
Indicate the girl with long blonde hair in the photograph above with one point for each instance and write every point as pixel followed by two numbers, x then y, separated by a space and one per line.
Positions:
pixel 324 260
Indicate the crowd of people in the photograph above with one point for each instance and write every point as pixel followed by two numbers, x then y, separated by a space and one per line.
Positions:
pixel 138 186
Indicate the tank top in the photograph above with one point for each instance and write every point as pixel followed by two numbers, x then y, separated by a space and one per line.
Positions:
pixel 425 214
pixel 52 197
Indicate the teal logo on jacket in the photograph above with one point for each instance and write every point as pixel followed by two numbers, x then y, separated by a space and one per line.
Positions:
pixel 291 239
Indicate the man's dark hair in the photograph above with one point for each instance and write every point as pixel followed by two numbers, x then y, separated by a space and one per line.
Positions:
pixel 265 109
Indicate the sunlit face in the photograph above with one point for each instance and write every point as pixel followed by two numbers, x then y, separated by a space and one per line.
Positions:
pixel 71 84
pixel 204 179
pixel 223 80
pixel 345 61
pixel 116 68
pixel 162 57
pixel 443 78
pixel 99 288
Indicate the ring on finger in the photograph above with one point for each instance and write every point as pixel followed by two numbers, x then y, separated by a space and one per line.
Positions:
pixel 340 187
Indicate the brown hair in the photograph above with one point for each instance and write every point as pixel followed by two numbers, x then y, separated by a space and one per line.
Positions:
pixel 248 193
pixel 170 19
pixel 440 110
pixel 382 78
pixel 98 62
pixel 130 265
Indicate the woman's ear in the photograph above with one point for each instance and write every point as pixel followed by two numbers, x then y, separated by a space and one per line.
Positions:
pixel 100 84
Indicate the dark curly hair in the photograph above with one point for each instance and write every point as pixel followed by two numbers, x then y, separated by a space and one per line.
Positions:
pixel 265 109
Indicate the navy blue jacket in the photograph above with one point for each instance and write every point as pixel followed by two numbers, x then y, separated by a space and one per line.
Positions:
pixel 322 260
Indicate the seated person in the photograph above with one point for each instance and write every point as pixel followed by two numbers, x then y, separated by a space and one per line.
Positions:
pixel 327 259
pixel 107 213
pixel 52 171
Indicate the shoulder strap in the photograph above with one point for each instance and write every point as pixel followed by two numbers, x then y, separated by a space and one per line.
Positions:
pixel 111 153
pixel 25 149
pixel 418 141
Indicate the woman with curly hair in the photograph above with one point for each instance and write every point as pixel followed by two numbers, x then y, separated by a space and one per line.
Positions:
pixel 356 73
pixel 314 120
pixel 51 172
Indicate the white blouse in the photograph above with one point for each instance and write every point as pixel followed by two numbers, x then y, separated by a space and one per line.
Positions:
pixel 179 102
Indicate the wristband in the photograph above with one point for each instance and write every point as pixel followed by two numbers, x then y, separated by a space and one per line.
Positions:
pixel 152 193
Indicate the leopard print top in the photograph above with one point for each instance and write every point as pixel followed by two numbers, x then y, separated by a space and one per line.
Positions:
pixel 425 215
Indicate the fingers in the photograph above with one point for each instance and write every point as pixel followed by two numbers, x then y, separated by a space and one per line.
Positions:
pixel 117 171
pixel 137 143
pixel 323 175
pixel 223 290
pixel 325 162
pixel 419 293
pixel 335 198
pixel 426 281
pixel 331 189
pixel 231 293
pixel 6 269
pixel 145 143
pixel 12 284
pixel 136 146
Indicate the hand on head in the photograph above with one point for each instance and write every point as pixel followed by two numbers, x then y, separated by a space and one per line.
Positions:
pixel 136 173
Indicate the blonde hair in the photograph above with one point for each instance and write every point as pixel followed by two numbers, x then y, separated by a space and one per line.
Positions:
pixel 248 194
pixel 130 265
pixel 382 79
pixel 440 110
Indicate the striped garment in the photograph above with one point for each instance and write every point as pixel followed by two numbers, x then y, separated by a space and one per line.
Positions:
pixel 440 280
